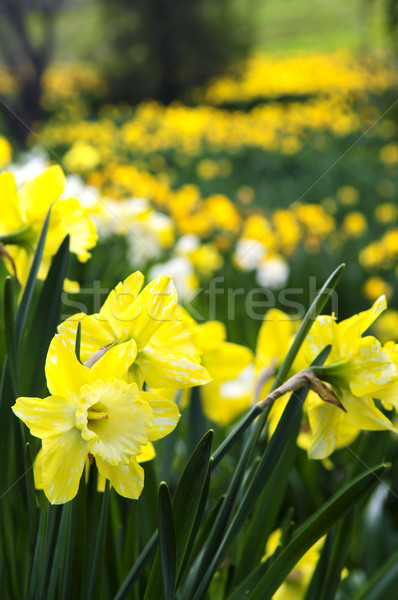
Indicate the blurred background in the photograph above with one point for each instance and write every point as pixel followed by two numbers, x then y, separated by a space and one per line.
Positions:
pixel 250 139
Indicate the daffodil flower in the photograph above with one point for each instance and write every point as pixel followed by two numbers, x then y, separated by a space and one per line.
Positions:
pixel 225 362
pixel 93 413
pixel 23 213
pixel 358 369
pixel 166 355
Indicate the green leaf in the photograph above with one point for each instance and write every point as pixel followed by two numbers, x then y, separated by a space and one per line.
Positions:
pixel 24 305
pixel 78 340
pixel 30 494
pixel 185 504
pixel 146 556
pixel 262 523
pixel 236 433
pixel 383 583
pixel 309 533
pixel 43 325
pixel 219 542
pixel 59 552
pixel 9 330
pixel 315 309
pixel 96 566
pixel 167 542
pixel 337 559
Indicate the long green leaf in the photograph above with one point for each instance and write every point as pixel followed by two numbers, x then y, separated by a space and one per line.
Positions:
pixel 144 558
pixel 43 325
pixel 96 570
pixel 24 305
pixel 383 583
pixel 185 504
pixel 311 531
pixel 214 554
pixel 9 330
pixel 167 542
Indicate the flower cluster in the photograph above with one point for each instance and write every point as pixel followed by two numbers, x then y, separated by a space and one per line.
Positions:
pixel 23 214
pixel 98 408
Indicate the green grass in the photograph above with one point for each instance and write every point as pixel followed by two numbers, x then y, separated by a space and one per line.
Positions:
pixel 305 25
pixel 319 25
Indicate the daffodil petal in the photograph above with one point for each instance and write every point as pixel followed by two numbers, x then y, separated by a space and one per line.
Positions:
pixel 11 219
pixel 65 375
pixel 95 333
pixel 38 470
pixel 62 467
pixel 36 196
pixel 115 362
pixel 148 453
pixel 46 418
pixel 122 296
pixel 153 307
pixel 370 369
pixel 128 480
pixel 274 338
pixel 129 421
pixel 226 361
pixel 75 222
pixel 364 414
pixel 324 422
pixel 165 415
pixel 164 368
pixel 358 324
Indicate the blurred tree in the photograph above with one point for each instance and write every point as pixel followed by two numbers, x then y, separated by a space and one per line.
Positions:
pixel 26 47
pixel 392 17
pixel 158 48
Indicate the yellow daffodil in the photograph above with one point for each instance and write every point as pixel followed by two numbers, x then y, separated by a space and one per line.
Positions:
pixel 166 356
pixel 357 369
pixel 93 413
pixel 298 579
pixel 22 217
pixel 224 361
pixel 273 342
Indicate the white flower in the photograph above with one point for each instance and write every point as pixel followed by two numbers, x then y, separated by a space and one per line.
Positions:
pixel 272 272
pixel 181 272
pixel 248 254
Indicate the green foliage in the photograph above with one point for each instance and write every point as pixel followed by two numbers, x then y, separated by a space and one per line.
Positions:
pixel 160 51
pixel 205 536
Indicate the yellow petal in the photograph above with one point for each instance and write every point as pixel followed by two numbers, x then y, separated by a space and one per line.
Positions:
pixel 36 196
pixel 65 375
pixel 122 296
pixel 95 333
pixel 63 462
pixel 363 413
pixel 209 335
pixel 148 453
pixel 46 418
pixel 164 368
pixel 165 415
pixel 177 334
pixel 69 218
pixel 324 421
pixel 223 408
pixel 226 361
pixel 358 324
pixel 274 338
pixel 128 480
pixel 370 369
pixel 38 470
pixel 128 423
pixel 10 219
pixel 115 362
pixel 154 306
